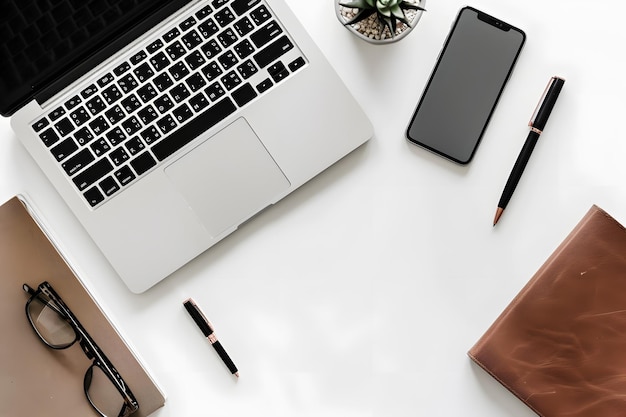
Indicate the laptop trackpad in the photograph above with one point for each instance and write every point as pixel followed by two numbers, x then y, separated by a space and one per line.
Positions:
pixel 228 177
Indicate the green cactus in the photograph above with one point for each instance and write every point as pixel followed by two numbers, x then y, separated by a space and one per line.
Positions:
pixel 389 12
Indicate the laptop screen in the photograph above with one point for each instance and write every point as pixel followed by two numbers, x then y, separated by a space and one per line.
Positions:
pixel 41 40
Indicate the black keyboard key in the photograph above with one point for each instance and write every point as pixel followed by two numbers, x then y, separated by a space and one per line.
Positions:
pixel 127 83
pixel 182 113
pixel 212 71
pixel 224 17
pixel 114 115
pixel 208 28
pixel 160 61
pixel 211 49
pixel 180 93
pixel 83 136
pixel 49 137
pixel 242 6
pixel 73 102
pixel 247 69
pixel 105 80
pixel 109 186
pixel 93 196
pixel 227 38
pixel 119 156
pixel 150 135
pixel 187 133
pixel 167 124
pixel 244 94
pixel 134 145
pixel 191 40
pixel 163 81
pixel 121 69
pixel 244 26
pixel 100 147
pixel 214 91
pixel 266 34
pixel 244 49
pixel 92 174
pixel 155 46
pixel 143 163
pixel 78 162
pixel 188 23
pixel 260 15
pixel 115 136
pixel 171 35
pixel 146 93
pixel 99 125
pixel 124 175
pixel 195 82
pixel 296 64
pixel 204 12
pixel 131 126
pixel 131 103
pixel 64 126
pixel 231 80
pixel 264 85
pixel 175 51
pixel 179 71
pixel 143 72
pixel 89 91
pixel 228 60
pixel 198 102
pixel 80 116
pixel 273 51
pixel 138 57
pixel 56 113
pixel 278 71
pixel 40 124
pixel 96 105
pixel 218 3
pixel 163 103
pixel 195 60
pixel 64 149
pixel 147 115
pixel 111 94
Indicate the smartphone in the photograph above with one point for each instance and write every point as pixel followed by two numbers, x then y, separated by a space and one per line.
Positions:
pixel 474 65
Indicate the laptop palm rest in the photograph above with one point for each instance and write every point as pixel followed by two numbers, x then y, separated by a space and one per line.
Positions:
pixel 228 178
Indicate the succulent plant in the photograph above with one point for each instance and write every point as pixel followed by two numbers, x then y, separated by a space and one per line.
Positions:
pixel 389 12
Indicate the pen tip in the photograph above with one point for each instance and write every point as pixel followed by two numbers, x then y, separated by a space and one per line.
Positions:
pixel 499 212
pixel 236 374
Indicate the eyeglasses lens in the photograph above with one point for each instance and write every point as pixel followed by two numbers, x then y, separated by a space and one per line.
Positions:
pixel 102 393
pixel 50 325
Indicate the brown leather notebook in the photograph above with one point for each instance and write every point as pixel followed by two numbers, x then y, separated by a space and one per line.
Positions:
pixel 36 380
pixel 560 345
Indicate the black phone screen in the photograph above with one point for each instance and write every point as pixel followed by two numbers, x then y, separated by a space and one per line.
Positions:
pixel 465 85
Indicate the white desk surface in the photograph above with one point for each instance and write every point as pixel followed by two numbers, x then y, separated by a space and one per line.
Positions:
pixel 360 294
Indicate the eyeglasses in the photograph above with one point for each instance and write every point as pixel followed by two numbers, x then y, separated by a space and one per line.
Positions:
pixel 58 328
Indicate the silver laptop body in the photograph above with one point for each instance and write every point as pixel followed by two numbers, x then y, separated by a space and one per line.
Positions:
pixel 190 196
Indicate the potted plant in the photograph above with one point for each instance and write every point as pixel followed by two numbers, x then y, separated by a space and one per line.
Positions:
pixel 380 21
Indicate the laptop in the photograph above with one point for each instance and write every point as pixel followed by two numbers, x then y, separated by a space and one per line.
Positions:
pixel 166 124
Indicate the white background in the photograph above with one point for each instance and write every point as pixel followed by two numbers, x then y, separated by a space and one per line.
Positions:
pixel 360 294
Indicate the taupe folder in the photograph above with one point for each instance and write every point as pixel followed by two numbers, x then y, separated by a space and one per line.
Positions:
pixel 36 380
pixel 560 345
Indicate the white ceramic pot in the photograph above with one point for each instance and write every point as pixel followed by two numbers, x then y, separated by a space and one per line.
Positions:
pixel 369 29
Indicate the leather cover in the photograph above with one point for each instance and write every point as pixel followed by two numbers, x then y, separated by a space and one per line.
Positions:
pixel 36 380
pixel 560 345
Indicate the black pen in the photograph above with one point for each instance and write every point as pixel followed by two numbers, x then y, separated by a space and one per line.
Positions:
pixel 207 329
pixel 537 123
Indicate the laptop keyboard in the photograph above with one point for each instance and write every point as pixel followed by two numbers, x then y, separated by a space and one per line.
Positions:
pixel 124 122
